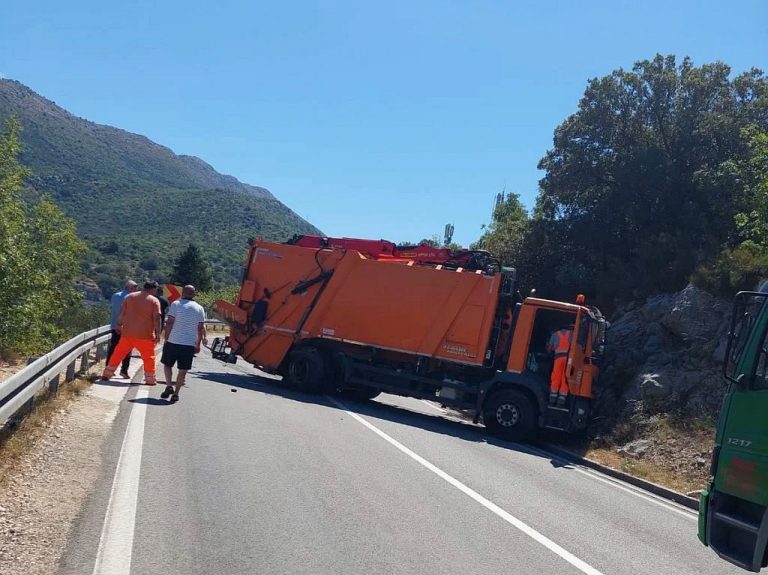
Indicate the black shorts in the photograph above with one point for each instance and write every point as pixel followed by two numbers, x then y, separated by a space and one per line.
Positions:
pixel 175 353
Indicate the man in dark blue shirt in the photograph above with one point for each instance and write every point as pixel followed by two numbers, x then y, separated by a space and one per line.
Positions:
pixel 117 301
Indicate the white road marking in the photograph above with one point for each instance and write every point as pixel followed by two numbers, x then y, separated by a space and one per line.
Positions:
pixel 509 518
pixel 116 543
pixel 597 476
pixel 591 473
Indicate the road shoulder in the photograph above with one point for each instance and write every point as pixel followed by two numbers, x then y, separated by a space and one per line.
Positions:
pixel 40 503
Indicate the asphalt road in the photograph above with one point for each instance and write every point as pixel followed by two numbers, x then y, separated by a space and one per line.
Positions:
pixel 242 476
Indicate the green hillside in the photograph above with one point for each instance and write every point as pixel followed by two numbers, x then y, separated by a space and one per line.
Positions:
pixel 136 203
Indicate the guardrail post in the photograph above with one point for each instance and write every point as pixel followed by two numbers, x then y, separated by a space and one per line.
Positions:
pixel 15 420
pixel 70 371
pixel 99 352
pixel 84 361
pixel 53 385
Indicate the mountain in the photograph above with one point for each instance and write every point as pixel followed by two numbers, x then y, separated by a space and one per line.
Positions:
pixel 136 203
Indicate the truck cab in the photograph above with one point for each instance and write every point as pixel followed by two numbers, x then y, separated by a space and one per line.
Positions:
pixel 733 513
pixel 529 363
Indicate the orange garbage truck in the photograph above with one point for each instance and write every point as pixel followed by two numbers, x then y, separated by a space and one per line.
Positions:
pixel 335 320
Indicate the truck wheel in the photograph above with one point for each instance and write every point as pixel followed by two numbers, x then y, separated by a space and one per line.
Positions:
pixel 508 414
pixel 305 370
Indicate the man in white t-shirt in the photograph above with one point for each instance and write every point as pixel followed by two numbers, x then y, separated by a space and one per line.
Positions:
pixel 184 330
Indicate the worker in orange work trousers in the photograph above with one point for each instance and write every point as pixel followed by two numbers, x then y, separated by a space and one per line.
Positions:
pixel 559 344
pixel 139 327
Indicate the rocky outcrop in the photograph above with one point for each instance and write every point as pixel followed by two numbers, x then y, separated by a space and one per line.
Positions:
pixel 90 290
pixel 666 355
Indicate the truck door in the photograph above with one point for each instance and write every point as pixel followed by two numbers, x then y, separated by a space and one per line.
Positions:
pixel 737 520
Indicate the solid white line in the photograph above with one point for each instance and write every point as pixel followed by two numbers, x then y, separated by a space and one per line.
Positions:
pixel 616 483
pixel 596 475
pixel 512 520
pixel 116 543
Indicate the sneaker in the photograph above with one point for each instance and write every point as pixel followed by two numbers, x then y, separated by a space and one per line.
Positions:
pixel 561 400
pixel 167 392
pixel 174 398
pixel 125 375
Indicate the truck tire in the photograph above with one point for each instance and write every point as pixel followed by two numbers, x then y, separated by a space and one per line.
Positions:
pixel 305 370
pixel 508 414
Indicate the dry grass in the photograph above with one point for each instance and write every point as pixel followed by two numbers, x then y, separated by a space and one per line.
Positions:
pixel 662 475
pixel 15 443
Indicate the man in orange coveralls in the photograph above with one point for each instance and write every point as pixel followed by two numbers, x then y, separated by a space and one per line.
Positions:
pixel 139 327
pixel 559 344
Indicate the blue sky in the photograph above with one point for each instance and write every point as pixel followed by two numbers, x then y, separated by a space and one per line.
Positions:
pixel 369 119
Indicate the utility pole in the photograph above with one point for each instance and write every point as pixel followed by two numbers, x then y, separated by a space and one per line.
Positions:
pixel 500 197
pixel 448 234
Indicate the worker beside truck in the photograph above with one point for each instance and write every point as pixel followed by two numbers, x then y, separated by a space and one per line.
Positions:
pixel 335 318
pixel 559 346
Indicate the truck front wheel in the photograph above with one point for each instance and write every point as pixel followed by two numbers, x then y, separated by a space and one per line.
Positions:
pixel 509 414
pixel 305 370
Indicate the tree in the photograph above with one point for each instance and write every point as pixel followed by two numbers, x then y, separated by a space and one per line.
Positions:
pixel 15 270
pixel 505 235
pixel 192 268
pixel 634 191
pixel 743 262
pixel 39 260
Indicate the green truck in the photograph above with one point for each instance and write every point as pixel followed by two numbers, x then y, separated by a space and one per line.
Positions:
pixel 733 512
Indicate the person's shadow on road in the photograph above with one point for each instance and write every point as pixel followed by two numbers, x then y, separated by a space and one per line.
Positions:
pixel 150 401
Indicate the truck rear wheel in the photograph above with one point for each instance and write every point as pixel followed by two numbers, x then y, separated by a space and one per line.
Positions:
pixel 509 414
pixel 305 370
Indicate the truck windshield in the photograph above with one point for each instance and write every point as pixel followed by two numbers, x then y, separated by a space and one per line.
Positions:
pixel 746 352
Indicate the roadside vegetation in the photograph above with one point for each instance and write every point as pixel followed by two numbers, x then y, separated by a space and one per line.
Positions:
pixel 40 259
pixel 660 178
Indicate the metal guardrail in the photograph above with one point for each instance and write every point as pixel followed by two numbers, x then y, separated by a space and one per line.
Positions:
pixel 19 390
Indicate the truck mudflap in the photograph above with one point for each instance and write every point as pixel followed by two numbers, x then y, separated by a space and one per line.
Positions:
pixel 703 504
pixel 737 530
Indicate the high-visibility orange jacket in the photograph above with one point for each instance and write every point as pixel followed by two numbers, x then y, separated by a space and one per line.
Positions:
pixel 560 342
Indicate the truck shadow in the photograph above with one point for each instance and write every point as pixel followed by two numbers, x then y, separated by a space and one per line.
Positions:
pixel 445 425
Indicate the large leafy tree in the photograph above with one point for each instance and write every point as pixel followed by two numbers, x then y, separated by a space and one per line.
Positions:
pixel 635 192
pixel 192 268
pixel 39 260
